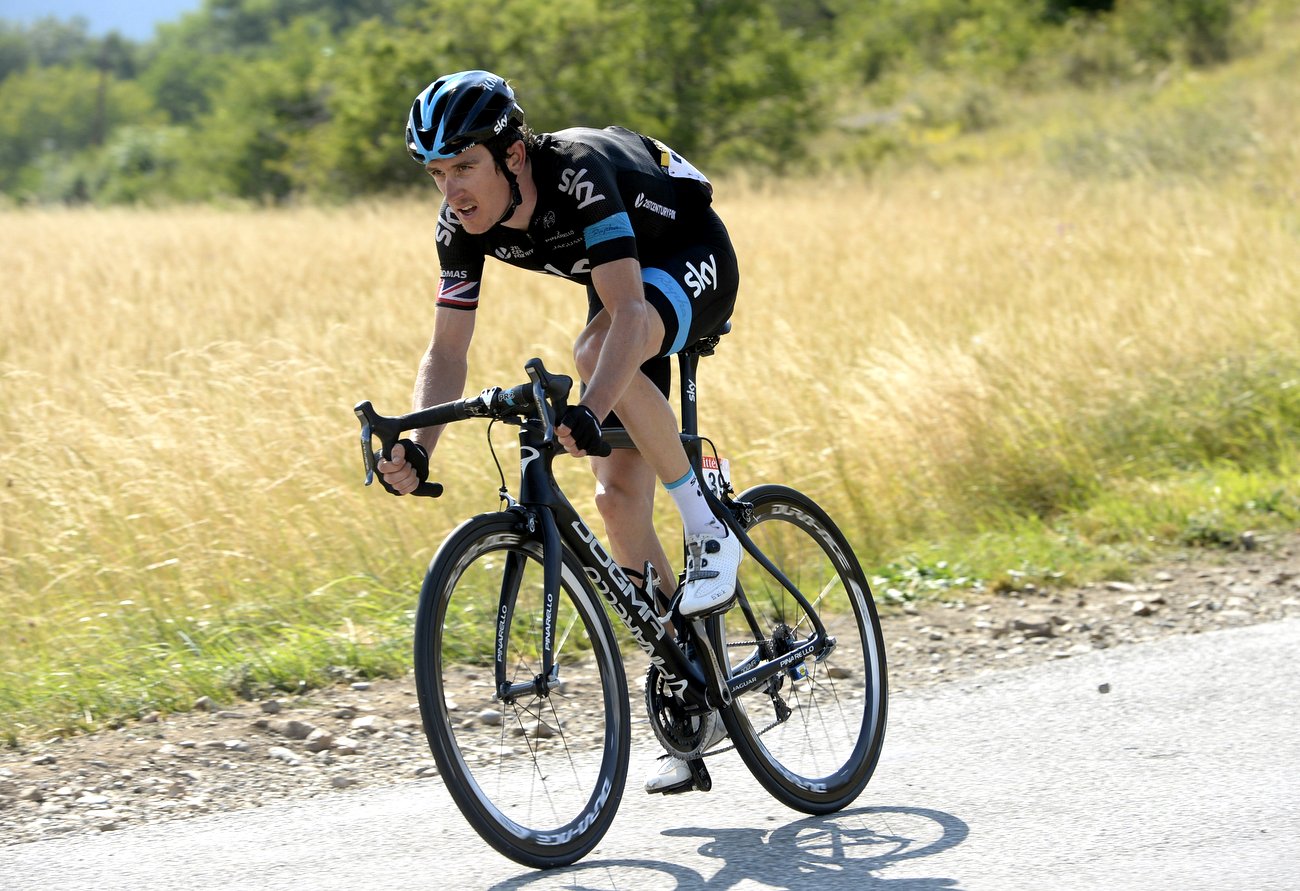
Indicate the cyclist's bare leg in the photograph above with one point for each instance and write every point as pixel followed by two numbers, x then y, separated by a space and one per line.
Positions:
pixel 626 479
pixel 649 418
pixel 625 490
pixel 644 410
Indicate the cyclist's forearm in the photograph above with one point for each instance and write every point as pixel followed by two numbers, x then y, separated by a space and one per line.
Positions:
pixel 440 378
pixel 444 367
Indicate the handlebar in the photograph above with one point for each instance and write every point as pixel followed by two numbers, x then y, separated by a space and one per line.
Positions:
pixel 544 397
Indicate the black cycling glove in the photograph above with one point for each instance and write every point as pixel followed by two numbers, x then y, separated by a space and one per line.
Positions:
pixel 417 457
pixel 585 429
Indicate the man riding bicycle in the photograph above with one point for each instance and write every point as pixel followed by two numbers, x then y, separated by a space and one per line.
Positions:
pixel 631 220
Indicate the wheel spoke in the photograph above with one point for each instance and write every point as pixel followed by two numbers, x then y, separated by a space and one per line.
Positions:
pixel 817 726
pixel 538 777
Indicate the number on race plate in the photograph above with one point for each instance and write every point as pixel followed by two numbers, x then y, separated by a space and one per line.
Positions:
pixel 714 476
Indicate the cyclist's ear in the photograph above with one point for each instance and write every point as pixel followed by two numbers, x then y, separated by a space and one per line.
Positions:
pixel 516 154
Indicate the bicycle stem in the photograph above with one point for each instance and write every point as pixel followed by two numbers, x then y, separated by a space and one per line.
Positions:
pixel 551 518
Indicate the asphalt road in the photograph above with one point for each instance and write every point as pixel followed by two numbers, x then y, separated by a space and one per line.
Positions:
pixel 1182 776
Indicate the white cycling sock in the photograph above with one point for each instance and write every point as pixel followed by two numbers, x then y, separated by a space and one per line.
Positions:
pixel 697 517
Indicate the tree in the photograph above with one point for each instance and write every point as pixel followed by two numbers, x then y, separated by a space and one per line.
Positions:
pixel 369 79
pixel 36 117
pixel 245 145
pixel 56 42
pixel 186 67
pixel 15 49
pixel 1200 32
pixel 751 101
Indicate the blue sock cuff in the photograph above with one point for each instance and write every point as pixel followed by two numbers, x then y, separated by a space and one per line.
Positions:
pixel 686 477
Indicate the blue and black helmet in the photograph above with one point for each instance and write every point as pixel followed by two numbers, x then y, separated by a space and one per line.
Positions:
pixel 457 112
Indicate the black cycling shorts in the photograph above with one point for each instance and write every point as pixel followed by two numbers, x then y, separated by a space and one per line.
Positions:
pixel 692 290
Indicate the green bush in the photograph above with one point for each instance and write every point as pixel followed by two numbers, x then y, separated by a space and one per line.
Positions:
pixel 1204 136
pixel 286 98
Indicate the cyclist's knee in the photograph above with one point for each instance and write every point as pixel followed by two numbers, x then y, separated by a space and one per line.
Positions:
pixel 586 351
pixel 618 501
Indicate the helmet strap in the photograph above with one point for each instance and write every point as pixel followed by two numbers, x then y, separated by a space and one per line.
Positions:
pixel 516 198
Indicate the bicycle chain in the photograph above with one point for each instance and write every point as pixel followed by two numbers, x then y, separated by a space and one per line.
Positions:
pixel 712 752
pixel 730 748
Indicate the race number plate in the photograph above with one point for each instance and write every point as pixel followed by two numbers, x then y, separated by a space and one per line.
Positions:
pixel 715 476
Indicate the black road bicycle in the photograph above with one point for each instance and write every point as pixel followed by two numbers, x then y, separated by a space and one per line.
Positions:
pixel 521 684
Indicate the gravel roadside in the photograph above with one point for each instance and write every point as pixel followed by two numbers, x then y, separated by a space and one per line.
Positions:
pixel 219 758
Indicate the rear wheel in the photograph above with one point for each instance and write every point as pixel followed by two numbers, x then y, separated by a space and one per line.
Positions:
pixel 539 775
pixel 811 734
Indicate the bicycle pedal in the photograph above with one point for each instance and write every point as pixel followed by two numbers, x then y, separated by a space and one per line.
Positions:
pixel 700 778
pixel 698 781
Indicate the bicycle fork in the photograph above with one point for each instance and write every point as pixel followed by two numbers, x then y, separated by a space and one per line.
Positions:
pixel 548 535
pixel 701 687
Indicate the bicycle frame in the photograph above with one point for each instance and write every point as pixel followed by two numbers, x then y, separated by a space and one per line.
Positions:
pixel 548 518
pixel 554 519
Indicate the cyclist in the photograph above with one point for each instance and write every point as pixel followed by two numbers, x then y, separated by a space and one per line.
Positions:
pixel 631 220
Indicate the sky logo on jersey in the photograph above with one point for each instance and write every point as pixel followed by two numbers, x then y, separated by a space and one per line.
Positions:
pixel 573 183
pixel 447 223
pixel 582 267
pixel 705 275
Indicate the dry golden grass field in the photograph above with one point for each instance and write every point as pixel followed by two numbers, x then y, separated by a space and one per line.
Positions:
pixel 943 358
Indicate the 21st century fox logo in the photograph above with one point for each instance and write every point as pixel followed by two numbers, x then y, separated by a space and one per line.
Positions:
pixel 655 207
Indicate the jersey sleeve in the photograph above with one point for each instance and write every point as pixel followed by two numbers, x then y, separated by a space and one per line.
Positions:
pixel 592 185
pixel 461 261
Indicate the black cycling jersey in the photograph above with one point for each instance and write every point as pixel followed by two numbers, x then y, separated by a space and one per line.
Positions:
pixel 602 195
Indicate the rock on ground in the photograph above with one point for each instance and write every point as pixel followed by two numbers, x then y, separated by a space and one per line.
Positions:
pixel 369 733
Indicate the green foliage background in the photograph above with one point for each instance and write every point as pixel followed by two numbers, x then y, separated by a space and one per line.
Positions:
pixel 272 100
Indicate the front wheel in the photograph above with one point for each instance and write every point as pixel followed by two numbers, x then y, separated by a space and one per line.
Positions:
pixel 540 774
pixel 812 733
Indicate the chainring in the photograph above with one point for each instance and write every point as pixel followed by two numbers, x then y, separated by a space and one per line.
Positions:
pixel 684 735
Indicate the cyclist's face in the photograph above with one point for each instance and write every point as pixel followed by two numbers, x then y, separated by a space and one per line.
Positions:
pixel 474 188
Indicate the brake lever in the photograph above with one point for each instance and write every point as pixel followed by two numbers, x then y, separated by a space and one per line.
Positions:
pixel 559 386
pixel 372 424
pixel 365 412
pixel 545 383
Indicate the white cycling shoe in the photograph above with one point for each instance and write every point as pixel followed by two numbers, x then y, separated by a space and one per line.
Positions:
pixel 711 564
pixel 672 774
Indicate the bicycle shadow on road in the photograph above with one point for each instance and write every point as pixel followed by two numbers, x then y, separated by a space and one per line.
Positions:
pixel 844 850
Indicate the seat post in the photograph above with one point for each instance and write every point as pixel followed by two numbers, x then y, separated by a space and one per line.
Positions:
pixel 688 361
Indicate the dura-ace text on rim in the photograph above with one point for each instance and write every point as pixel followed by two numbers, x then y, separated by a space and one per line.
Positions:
pixel 521 685
pixel 813 734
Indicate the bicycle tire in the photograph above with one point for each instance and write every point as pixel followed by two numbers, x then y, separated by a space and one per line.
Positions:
pixel 540 779
pixel 818 757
